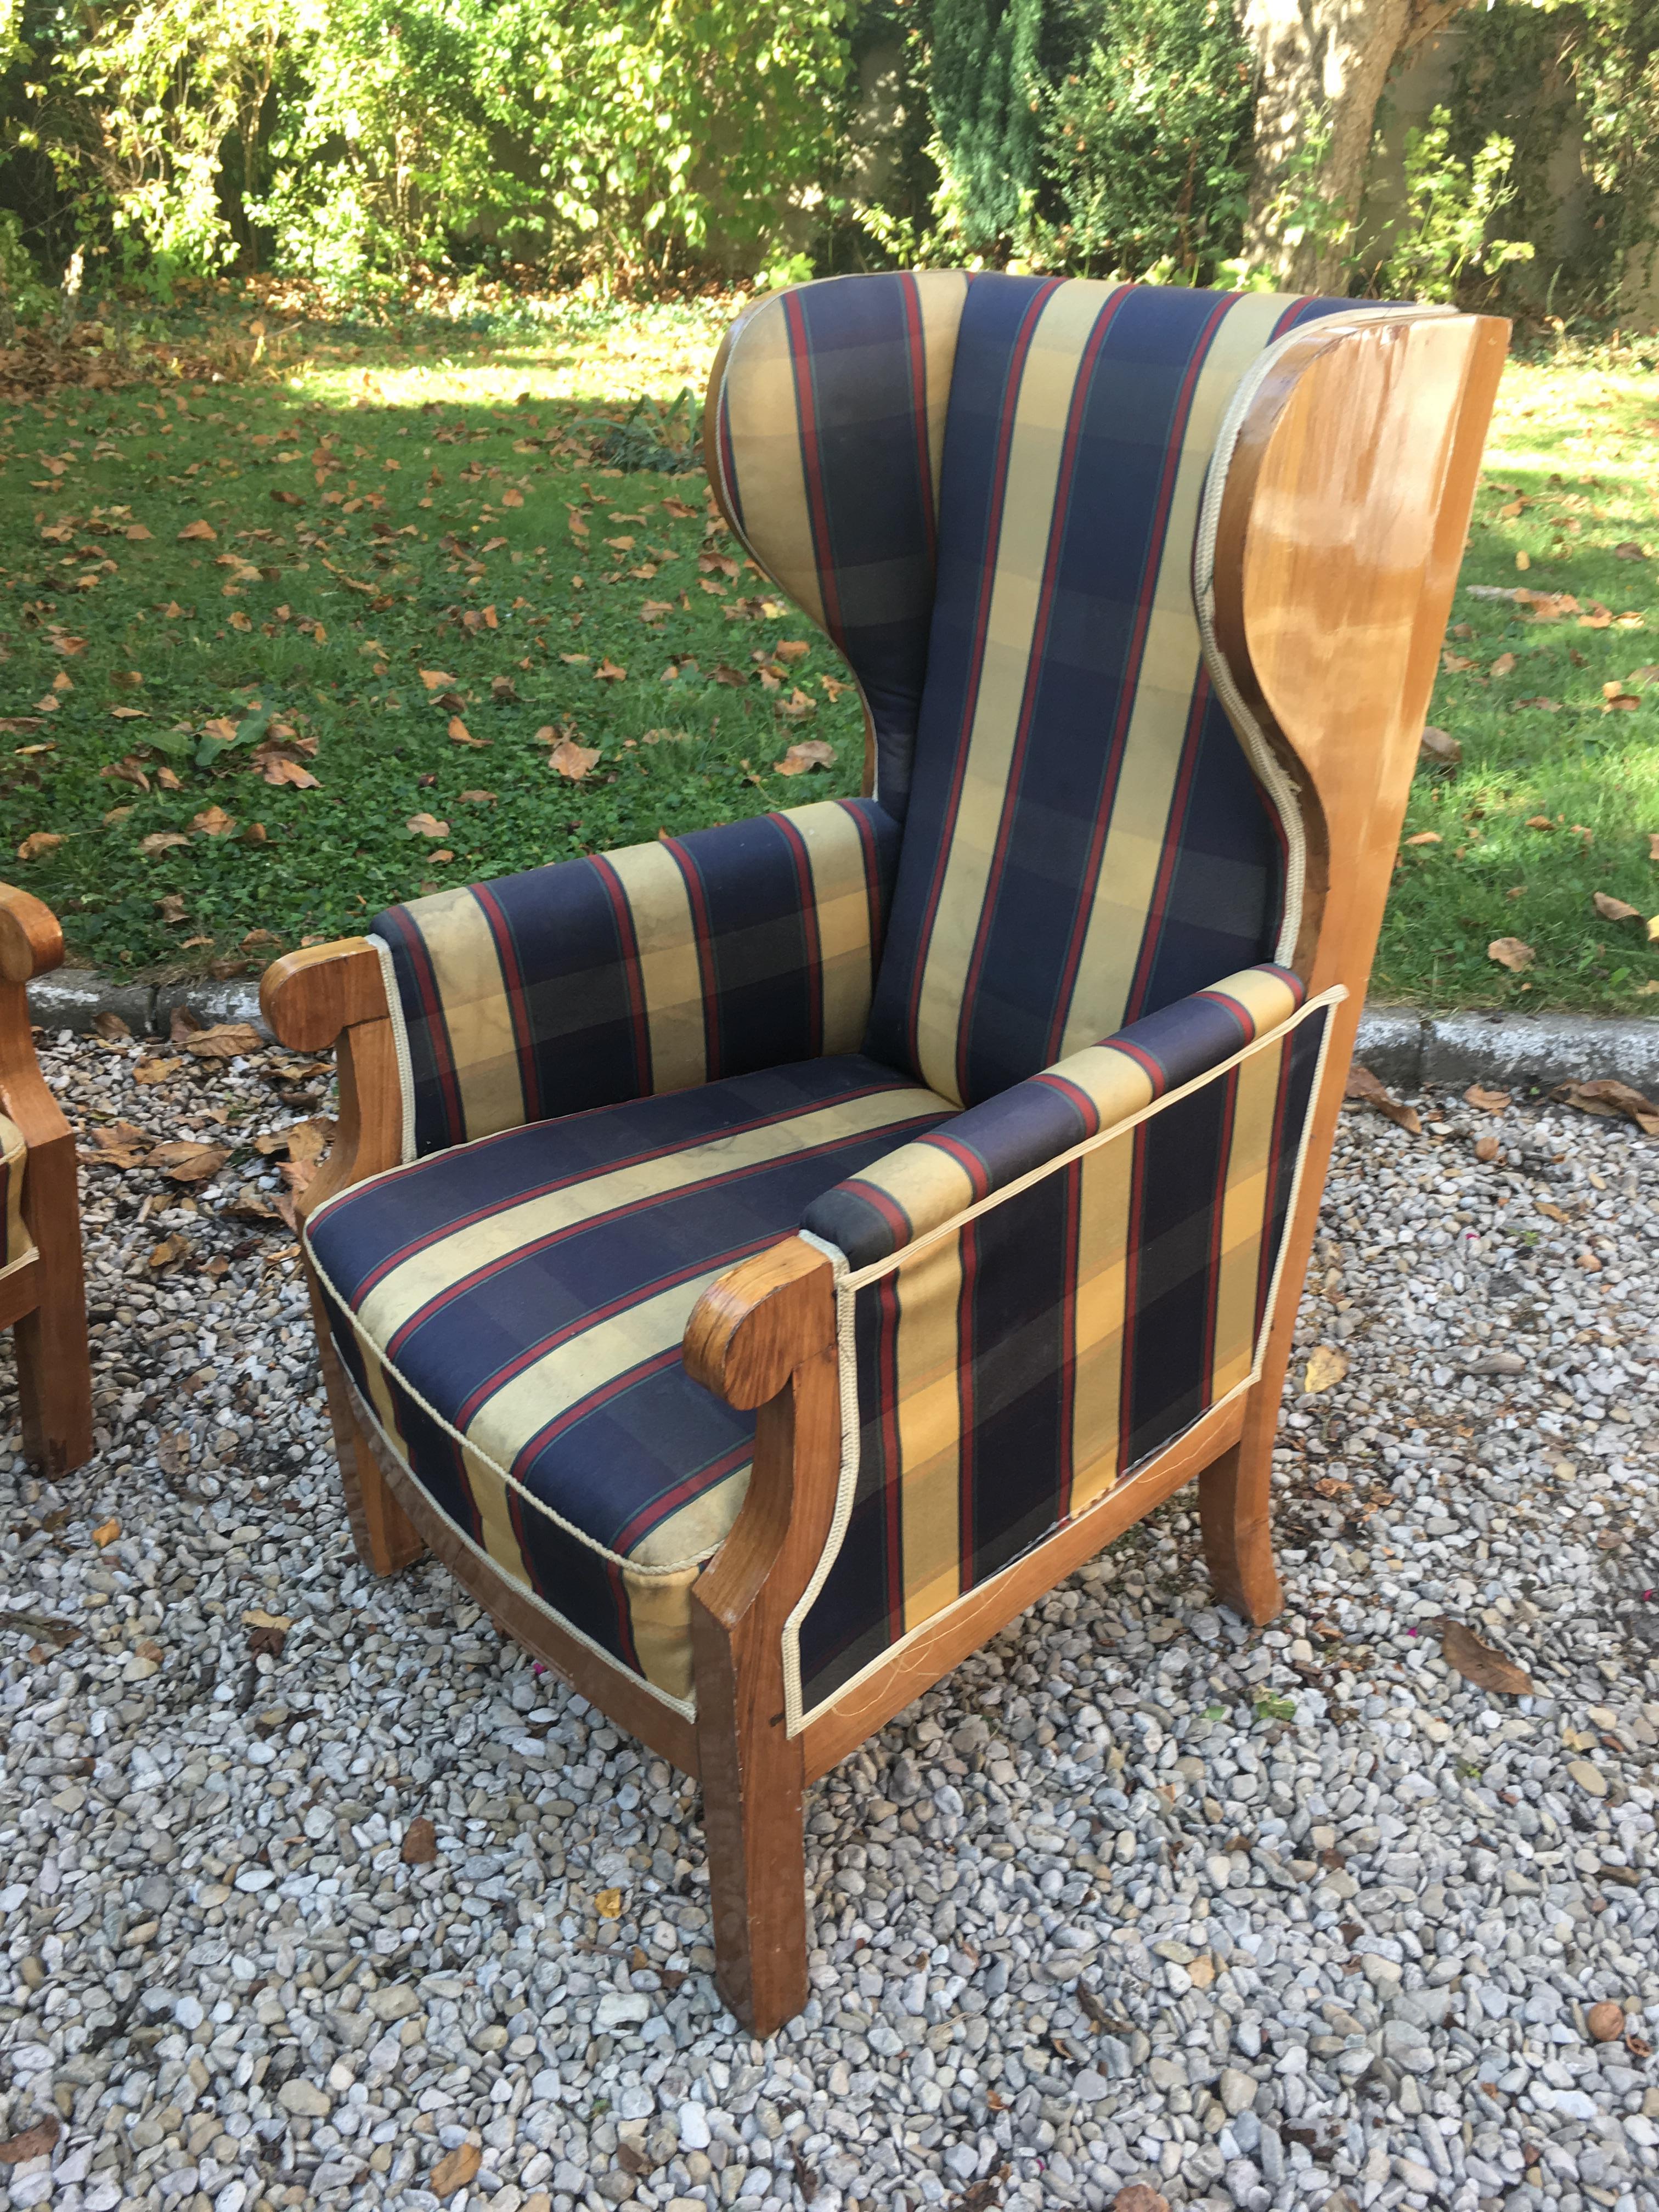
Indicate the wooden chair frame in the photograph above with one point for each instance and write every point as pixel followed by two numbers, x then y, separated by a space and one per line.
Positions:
pixel 43 1300
pixel 1336 556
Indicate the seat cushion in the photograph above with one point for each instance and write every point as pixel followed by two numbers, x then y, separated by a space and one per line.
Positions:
pixel 512 1312
pixel 15 1244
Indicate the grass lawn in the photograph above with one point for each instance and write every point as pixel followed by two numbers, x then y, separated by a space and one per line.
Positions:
pixel 251 631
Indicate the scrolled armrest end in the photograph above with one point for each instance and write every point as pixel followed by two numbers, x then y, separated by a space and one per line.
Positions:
pixel 753 1326
pixel 308 997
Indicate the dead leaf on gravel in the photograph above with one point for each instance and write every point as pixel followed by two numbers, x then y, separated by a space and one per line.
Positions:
pixel 420 1843
pixel 1371 1091
pixel 106 1533
pixel 609 1903
pixel 1477 1663
pixel 118 1144
pixel 267 1635
pixel 1489 1102
pixel 572 760
pixel 1614 910
pixel 1511 953
pixel 1327 1364
pixel 183 1162
pixel 110 1026
pixel 168 1252
pixel 454 2172
pixel 225 1041
pixel 1487 1148
pixel 1610 1099
pixel 35 2142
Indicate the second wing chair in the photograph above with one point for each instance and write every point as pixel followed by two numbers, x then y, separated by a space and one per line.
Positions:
pixel 761 1262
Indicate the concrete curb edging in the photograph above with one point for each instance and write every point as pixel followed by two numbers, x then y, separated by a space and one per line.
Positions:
pixel 1402 1047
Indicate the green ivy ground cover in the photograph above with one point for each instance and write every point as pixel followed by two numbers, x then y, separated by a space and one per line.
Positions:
pixel 422 603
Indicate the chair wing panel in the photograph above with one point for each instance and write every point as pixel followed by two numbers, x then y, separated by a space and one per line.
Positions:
pixel 15 1243
pixel 826 421
pixel 648 970
pixel 1007 1368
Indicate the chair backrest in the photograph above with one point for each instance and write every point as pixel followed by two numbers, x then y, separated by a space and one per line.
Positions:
pixel 987 489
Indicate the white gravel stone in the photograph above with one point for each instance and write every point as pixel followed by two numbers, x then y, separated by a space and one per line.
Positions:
pixel 1133 1895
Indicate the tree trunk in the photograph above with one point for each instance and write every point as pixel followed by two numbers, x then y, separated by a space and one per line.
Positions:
pixel 1323 64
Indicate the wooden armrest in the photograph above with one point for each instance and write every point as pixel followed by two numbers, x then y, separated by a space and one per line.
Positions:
pixel 308 997
pixel 750 1329
pixel 31 941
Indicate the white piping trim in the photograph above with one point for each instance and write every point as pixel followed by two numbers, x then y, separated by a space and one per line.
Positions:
pixel 685 1706
pixel 400 1044
pixel 1281 787
pixel 846 1287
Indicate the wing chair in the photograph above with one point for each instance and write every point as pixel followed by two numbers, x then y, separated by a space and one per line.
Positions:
pixel 761 1262
pixel 42 1290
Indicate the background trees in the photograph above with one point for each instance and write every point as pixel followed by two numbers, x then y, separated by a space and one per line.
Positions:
pixel 639 143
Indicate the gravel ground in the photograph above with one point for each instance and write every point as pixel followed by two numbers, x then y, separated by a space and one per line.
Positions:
pixel 1295 1918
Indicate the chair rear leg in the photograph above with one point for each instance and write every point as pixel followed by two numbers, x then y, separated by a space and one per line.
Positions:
pixel 385 1538
pixel 1235 1513
pixel 54 1366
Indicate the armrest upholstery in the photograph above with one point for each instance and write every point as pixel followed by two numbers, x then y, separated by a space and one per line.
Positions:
pixel 929 1182
pixel 652 968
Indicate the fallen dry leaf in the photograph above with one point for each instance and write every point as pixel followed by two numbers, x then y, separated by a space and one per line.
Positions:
pixel 183 1162
pixel 801 759
pixel 1489 1102
pixel 159 839
pixel 110 1026
pixel 1486 1147
pixel 34 2141
pixel 434 679
pixel 37 841
pixel 460 735
pixel 1614 910
pixel 213 822
pixel 452 2173
pixel 1439 750
pixel 572 760
pixel 205 531
pixel 1607 1098
pixel 1371 1091
pixel 156 1071
pixel 224 1041
pixel 428 825
pixel 1477 1663
pixel 1424 837
pixel 608 1905
pixel 1327 1364
pixel 136 534
pixel 1502 665
pixel 1509 952
pixel 609 672
pixel 106 1533
pixel 420 1843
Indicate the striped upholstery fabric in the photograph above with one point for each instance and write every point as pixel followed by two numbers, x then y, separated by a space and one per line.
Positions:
pixel 648 970
pixel 1085 841
pixel 15 1243
pixel 512 1310
pixel 829 428
pixel 1011 1371
pixel 938 1177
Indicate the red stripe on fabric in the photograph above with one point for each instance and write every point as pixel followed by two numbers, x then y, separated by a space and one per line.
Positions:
pixel 1287 976
pixel 882 1202
pixel 627 939
pixel 651 1516
pixel 1160 520
pixel 967 1519
pixel 1291 315
pixel 810 930
pixel 1242 1019
pixel 704 931
pixel 524 1035
pixel 1131 1300
pixel 1058 520
pixel 1018 354
pixel 871 877
pixel 978 1175
pixel 1218 1209
pixel 1170 858
pixel 479 1213
pixel 1072 1238
pixel 1269 1253
pixel 817 509
pixel 916 347
pixel 1075 1096
pixel 1142 1060
pixel 437 1026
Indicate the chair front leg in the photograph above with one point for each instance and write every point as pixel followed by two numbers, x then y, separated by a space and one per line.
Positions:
pixel 764 1336
pixel 54 1369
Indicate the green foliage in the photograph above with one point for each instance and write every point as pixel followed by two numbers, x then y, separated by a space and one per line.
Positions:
pixel 1450 204
pixel 1148 140
pixel 986 90
pixel 23 297
pixel 649 436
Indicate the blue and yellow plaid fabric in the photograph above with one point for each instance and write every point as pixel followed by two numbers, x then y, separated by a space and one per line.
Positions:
pixel 15 1243
pixel 510 1311
pixel 1014 1366
pixel 644 971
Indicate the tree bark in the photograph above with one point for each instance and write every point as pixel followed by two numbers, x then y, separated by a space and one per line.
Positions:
pixel 1323 64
